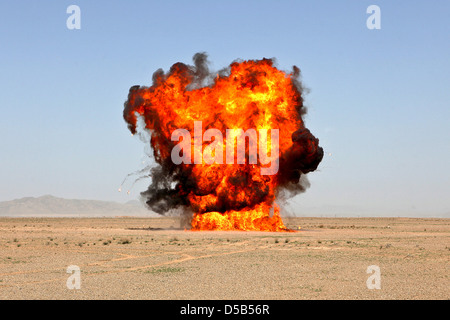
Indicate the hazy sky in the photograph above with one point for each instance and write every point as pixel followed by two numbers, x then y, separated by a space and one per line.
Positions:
pixel 379 99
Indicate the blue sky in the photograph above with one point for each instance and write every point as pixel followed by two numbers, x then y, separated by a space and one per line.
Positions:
pixel 378 101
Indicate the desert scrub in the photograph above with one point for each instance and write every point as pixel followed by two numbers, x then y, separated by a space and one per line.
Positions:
pixel 164 270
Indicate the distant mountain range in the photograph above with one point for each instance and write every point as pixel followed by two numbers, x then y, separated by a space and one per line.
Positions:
pixel 49 206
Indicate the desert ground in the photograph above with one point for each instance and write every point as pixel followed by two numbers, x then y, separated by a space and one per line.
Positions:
pixel 153 258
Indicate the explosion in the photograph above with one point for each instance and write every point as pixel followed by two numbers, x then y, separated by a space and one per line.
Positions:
pixel 225 190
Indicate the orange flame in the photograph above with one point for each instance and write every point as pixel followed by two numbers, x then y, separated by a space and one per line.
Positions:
pixel 257 219
pixel 253 95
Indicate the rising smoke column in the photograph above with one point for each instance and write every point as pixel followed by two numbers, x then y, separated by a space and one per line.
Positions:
pixel 249 94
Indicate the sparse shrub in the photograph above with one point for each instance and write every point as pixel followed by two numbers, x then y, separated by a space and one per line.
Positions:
pixel 124 241
pixel 164 270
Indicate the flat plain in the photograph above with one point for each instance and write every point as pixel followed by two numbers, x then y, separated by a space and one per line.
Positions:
pixel 155 258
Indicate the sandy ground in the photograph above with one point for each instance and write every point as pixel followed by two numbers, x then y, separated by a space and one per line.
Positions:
pixel 148 258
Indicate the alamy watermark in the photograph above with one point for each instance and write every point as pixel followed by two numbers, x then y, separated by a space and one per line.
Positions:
pixel 374 280
pixel 213 153
pixel 74 281
pixel 374 20
pixel 73 22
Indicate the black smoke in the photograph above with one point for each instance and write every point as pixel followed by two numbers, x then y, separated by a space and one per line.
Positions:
pixel 171 184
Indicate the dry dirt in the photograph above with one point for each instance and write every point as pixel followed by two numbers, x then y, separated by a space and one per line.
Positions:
pixel 152 258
